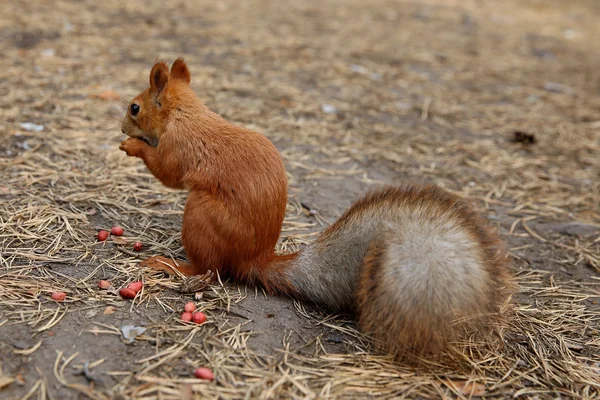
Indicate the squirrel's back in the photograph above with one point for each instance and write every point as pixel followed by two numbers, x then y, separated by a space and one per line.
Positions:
pixel 417 264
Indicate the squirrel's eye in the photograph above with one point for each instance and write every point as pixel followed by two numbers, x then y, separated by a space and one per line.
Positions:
pixel 134 110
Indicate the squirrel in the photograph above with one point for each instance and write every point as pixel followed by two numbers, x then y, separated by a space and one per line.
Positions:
pixel 417 264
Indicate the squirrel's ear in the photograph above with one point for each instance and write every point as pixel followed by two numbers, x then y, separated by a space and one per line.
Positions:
pixel 159 76
pixel 179 70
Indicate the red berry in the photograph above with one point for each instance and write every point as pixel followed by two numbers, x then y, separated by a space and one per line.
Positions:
pixel 204 373
pixel 186 316
pixel 102 235
pixel 135 286
pixel 137 246
pixel 127 293
pixel 116 230
pixel 58 296
pixel 199 317
pixel 190 307
pixel 103 284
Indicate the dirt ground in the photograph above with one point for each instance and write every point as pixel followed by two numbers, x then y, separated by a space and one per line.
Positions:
pixel 497 101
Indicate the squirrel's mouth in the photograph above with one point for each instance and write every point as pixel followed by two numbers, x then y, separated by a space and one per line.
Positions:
pixel 151 141
pixel 134 131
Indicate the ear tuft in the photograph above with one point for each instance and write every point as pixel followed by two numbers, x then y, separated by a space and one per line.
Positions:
pixel 179 70
pixel 159 76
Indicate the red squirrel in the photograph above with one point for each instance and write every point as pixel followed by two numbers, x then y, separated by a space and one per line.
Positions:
pixel 416 263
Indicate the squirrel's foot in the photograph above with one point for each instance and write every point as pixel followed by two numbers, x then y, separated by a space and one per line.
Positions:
pixel 169 266
pixel 133 147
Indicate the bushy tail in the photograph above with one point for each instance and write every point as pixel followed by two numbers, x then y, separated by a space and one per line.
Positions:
pixel 430 282
pixel 417 264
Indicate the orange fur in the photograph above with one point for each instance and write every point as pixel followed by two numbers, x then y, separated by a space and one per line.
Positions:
pixel 371 259
pixel 236 178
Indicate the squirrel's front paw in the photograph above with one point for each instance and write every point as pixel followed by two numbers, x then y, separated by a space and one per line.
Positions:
pixel 133 147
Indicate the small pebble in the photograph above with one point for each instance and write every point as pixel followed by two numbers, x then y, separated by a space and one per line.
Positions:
pixel 48 52
pixel 31 127
pixel 328 108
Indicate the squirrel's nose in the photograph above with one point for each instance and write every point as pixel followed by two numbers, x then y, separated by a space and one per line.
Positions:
pixel 122 130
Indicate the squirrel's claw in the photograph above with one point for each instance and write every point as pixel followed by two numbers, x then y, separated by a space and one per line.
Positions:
pixel 170 267
pixel 159 263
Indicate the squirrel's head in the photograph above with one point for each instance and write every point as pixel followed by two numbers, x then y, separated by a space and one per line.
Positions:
pixel 148 113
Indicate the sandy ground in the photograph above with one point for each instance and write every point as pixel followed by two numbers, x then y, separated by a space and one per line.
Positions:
pixel 354 94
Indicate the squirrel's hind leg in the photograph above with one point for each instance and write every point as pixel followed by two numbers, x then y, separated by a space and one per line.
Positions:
pixel 171 267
